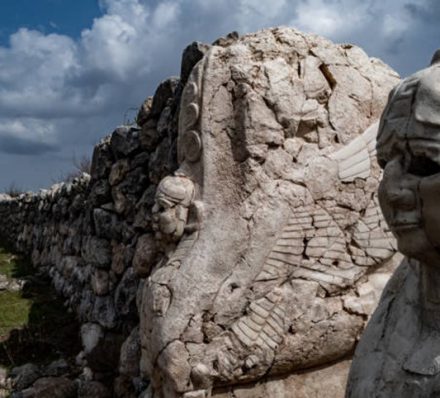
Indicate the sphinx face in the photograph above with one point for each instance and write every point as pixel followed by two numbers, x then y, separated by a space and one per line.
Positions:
pixel 409 195
pixel 168 220
pixel 170 210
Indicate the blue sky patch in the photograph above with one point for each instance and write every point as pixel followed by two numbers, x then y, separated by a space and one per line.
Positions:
pixel 67 17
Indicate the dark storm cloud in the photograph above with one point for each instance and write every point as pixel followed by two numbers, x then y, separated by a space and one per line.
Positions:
pixel 59 93
pixel 19 146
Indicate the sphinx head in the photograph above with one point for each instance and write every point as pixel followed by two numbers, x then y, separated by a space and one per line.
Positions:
pixel 408 150
pixel 170 211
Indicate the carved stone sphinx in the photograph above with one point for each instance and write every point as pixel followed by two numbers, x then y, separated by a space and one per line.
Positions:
pixel 399 354
pixel 274 234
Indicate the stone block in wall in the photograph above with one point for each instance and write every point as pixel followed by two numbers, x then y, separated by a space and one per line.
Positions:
pixel 106 224
pixel 93 389
pixel 67 266
pixel 91 335
pixel 161 161
pixel 124 141
pixel 124 202
pixel 104 356
pixel 164 92
pixel 102 160
pixel 104 312
pixel 142 219
pixel 144 111
pixel 86 305
pixel 145 255
pixel 149 136
pixel 100 282
pixel 130 354
pixel 121 257
pixel 190 56
pixel 125 293
pixel 140 160
pixel 135 182
pixel 96 251
pixel 100 193
pixel 118 171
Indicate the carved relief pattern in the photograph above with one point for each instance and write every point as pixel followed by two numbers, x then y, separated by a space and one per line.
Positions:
pixel 291 221
pixel 264 325
pixel 190 143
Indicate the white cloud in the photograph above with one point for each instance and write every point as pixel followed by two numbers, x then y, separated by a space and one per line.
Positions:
pixel 56 90
pixel 28 129
pixel 330 18
pixel 337 19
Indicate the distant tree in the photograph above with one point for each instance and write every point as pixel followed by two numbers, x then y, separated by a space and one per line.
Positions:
pixel 130 116
pixel 13 190
pixel 81 165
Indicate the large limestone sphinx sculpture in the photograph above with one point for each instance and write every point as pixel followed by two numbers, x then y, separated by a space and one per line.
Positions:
pixel 273 236
pixel 399 354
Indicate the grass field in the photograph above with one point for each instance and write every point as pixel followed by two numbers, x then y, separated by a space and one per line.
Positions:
pixel 14 308
pixel 35 326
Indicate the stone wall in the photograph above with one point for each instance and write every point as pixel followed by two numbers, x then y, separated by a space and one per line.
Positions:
pixel 93 235
pixel 177 225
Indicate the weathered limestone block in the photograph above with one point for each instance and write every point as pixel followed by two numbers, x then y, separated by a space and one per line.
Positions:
pixel 399 353
pixel 130 354
pixel 52 387
pixel 145 255
pixel 274 246
pixel 96 251
pixel 322 383
pixel 125 293
pixel 124 141
pixel 93 389
pixel 102 159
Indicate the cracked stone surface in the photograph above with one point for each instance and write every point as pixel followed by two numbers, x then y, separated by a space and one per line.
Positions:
pixel 231 243
pixel 275 248
pixel 400 351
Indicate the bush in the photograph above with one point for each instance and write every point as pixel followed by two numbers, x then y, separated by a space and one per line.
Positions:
pixel 13 190
pixel 81 165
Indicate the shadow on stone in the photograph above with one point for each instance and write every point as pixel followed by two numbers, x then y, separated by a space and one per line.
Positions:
pixel 38 327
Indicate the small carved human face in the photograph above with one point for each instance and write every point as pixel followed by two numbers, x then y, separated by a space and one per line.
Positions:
pixel 168 219
pixel 409 194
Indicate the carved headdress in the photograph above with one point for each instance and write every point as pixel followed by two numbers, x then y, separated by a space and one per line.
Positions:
pixel 412 114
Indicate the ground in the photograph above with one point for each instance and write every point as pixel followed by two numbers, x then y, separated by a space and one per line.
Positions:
pixel 34 324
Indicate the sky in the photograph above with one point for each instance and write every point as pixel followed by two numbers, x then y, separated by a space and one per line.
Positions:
pixel 72 71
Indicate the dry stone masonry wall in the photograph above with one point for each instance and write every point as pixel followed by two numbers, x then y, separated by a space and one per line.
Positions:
pixel 93 236
pixel 232 239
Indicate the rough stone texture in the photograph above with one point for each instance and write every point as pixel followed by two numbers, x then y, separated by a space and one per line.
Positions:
pixel 236 224
pixel 51 387
pixel 93 389
pixel 25 375
pixel 399 353
pixel 94 236
pixel 275 246
pixel 325 382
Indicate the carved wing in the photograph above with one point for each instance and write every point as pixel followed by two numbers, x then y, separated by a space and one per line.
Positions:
pixel 311 246
pixel 264 325
pixel 316 244
pixel 373 242
pixel 354 160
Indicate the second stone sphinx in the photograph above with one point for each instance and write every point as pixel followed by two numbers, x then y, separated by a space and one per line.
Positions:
pixel 399 354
